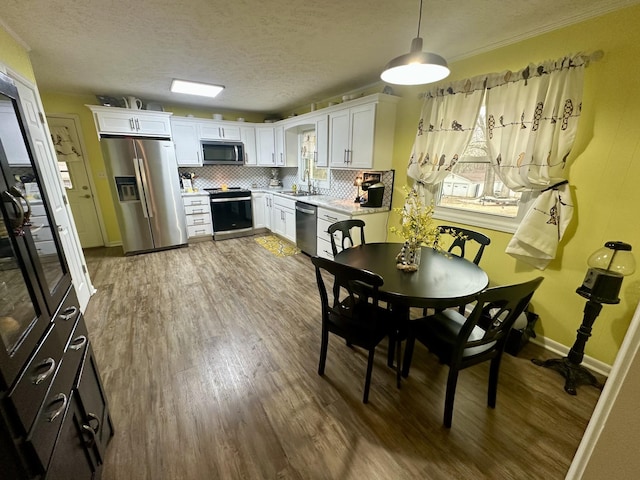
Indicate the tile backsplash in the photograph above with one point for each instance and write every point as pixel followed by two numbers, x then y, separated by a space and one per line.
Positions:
pixel 258 177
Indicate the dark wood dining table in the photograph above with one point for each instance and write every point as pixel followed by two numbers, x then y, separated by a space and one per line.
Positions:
pixel 442 280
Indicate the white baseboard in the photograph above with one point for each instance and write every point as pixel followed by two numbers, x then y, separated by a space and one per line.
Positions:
pixel 562 350
pixel 113 244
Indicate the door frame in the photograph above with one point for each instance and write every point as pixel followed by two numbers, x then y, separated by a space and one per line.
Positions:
pixel 85 160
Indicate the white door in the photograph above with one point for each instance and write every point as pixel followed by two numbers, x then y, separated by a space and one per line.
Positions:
pixel 72 162
pixel 45 157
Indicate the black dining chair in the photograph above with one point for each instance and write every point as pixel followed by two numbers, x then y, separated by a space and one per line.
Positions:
pixel 463 342
pixel 460 238
pixel 355 317
pixel 344 227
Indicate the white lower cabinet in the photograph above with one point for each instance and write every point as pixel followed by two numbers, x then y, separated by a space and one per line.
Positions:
pixel 284 218
pixel 262 207
pixel 375 229
pixel 197 211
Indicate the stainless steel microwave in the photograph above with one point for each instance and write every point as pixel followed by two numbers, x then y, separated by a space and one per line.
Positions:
pixel 222 153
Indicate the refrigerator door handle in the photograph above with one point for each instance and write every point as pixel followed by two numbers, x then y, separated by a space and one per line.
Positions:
pixel 137 167
pixel 145 184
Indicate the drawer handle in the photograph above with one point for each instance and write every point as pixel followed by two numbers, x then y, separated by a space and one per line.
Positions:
pixel 89 443
pixel 335 219
pixel 198 221
pixel 56 413
pixel 198 210
pixel 38 379
pixel 68 313
pixel 93 418
pixel 78 342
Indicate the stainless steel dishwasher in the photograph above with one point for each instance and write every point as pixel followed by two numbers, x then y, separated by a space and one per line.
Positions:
pixel 306 216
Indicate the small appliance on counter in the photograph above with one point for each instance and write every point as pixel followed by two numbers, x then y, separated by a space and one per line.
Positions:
pixel 375 194
pixel 275 182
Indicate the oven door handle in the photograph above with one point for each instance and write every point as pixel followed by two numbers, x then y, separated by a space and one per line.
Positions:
pixel 224 200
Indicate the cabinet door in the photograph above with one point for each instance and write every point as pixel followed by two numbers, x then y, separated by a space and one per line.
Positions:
pixel 265 141
pixel 258 209
pixel 322 142
pixel 280 151
pixel 339 138
pixel 218 131
pixel 115 122
pixel 187 143
pixel 289 225
pixel 268 211
pixel 248 138
pixel 152 125
pixel 74 455
pixel 362 125
pixel 93 402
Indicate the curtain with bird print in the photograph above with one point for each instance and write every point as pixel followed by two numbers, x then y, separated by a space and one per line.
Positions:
pixel 531 123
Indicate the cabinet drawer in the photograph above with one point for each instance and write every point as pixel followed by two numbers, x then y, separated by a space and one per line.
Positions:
pixel 330 216
pixel 284 202
pixel 30 391
pixel 195 200
pixel 41 233
pixel 199 230
pixel 47 247
pixel 45 430
pixel 38 210
pixel 194 209
pixel 324 248
pixel 198 219
pixel 66 317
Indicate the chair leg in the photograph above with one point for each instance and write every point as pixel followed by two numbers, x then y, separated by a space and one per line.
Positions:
pixel 398 362
pixel 323 351
pixel 408 355
pixel 392 348
pixel 450 396
pixel 494 370
pixel 367 380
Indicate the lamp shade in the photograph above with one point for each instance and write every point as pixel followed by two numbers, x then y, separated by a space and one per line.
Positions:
pixel 416 67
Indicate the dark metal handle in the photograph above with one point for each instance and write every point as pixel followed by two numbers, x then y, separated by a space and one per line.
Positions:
pixel 56 413
pixel 91 442
pixel 18 222
pixel 78 342
pixel 68 313
pixel 93 418
pixel 37 379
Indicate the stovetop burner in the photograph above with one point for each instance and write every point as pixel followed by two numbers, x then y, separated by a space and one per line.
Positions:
pixel 230 192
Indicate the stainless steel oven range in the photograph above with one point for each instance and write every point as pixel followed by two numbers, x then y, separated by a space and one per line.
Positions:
pixel 231 213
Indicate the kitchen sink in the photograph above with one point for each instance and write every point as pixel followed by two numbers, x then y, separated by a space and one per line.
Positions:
pixel 297 193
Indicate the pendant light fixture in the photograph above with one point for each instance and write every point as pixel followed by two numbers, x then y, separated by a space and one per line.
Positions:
pixel 416 67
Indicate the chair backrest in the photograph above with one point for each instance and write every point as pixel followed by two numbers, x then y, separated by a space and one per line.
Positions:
pixel 495 312
pixel 461 236
pixel 348 282
pixel 344 227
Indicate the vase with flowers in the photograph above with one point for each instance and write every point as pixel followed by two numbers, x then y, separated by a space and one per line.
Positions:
pixel 417 228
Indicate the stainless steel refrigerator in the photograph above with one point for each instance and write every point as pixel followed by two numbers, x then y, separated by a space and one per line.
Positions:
pixel 143 174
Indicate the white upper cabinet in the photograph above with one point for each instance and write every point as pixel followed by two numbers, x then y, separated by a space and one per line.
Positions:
pixel 212 130
pixel 266 146
pixel 361 135
pixel 187 142
pixel 322 141
pixel 122 121
pixel 248 138
pixel 280 151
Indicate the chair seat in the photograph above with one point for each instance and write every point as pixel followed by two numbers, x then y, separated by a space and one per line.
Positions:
pixel 443 328
pixel 364 324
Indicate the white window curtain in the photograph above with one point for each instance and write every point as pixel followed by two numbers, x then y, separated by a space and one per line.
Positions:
pixel 532 119
pixel 446 124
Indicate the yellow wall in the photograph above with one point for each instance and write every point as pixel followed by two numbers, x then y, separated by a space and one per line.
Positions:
pixel 15 56
pixel 604 172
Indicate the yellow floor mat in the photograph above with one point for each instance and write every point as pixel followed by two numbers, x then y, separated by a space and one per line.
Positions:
pixel 277 246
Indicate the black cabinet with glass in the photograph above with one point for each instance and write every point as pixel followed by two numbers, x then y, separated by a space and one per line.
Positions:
pixel 54 419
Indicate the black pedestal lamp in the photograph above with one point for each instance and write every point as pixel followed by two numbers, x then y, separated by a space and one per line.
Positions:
pixel 607 267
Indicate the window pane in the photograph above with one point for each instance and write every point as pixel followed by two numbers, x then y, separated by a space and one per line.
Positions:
pixel 475 186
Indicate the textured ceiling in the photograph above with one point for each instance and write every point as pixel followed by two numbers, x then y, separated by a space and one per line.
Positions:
pixel 273 55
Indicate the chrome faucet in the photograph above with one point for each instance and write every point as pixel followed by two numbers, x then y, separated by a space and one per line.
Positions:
pixel 307 176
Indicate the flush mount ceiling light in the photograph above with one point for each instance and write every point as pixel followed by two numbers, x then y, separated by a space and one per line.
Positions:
pixel 194 88
pixel 416 67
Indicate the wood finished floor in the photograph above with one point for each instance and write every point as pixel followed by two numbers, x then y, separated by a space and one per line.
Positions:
pixel 209 359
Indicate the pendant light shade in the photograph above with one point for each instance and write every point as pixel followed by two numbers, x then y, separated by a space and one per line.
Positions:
pixel 416 67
